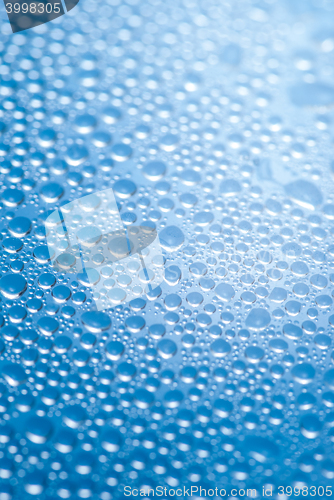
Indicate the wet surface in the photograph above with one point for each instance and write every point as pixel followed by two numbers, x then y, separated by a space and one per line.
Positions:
pixel 213 124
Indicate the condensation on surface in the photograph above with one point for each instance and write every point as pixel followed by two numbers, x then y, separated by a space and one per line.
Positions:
pixel 212 122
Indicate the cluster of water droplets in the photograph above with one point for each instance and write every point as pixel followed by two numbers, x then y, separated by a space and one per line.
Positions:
pixel 213 127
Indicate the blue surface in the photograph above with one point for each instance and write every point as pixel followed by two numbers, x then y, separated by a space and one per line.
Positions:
pixel 213 122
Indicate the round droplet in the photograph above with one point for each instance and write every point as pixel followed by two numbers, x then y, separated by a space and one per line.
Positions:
pixel 38 429
pixel 230 187
pixel 121 152
pixel 167 348
pixel 19 226
pixel 74 416
pixel 85 123
pixel 293 332
pixel 171 238
pixel 61 293
pixel 220 348
pixel 12 197
pixel 120 247
pixel 258 319
pixel 114 350
pixel 304 193
pixel 96 321
pixel 89 236
pixel 303 373
pixel 124 188
pixel 135 323
pixel 12 285
pixel 222 408
pixel 14 374
pixel 225 292
pixel 48 325
pixel 111 440
pixel 111 115
pixel 117 295
pixel 51 192
pixel 310 426
pixel 76 154
pixel 254 354
pixel 154 170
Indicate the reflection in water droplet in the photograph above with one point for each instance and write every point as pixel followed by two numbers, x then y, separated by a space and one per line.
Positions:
pixel 52 192
pixel 258 319
pixel 304 193
pixel 171 238
pixel 191 380
pixel 12 285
